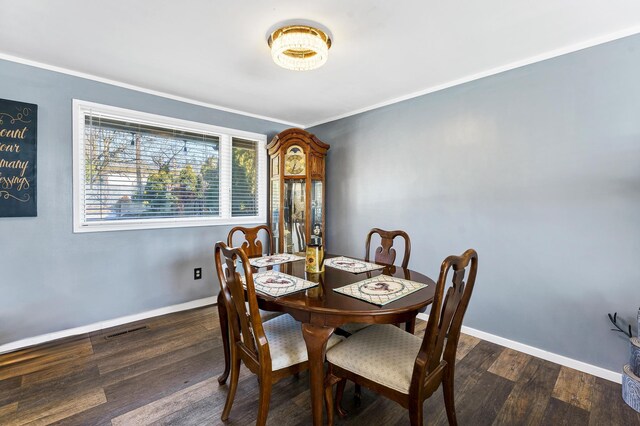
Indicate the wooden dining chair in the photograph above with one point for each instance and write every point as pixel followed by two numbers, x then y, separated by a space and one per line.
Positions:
pixel 401 366
pixel 385 253
pixel 253 247
pixel 272 349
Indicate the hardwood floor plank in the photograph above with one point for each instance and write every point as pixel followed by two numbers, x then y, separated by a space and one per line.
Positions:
pixel 211 322
pixel 10 384
pixel 179 318
pixel 560 413
pixel 62 391
pixel 467 374
pixel 290 402
pixel 132 354
pixel 608 407
pixel 382 412
pixel 160 382
pixel 58 371
pixel 35 359
pixel 197 414
pixel 574 387
pixel 52 412
pixel 480 405
pixel 169 404
pixel 510 364
pixel 528 400
pixel 163 360
pixel 10 390
pixel 465 344
pixel 7 410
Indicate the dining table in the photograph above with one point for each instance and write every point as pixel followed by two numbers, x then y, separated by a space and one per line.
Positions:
pixel 321 311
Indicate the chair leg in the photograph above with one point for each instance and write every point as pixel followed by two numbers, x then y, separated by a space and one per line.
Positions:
pixel 357 394
pixel 339 392
pixel 447 390
pixel 233 386
pixel 328 401
pixel 224 330
pixel 263 401
pixel 415 413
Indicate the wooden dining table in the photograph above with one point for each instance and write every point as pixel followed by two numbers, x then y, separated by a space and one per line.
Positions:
pixel 321 311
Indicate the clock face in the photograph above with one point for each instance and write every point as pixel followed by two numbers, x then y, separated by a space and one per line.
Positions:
pixel 294 161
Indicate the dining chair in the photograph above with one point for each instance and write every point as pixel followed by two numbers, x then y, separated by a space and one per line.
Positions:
pixel 271 349
pixel 401 366
pixel 253 247
pixel 385 253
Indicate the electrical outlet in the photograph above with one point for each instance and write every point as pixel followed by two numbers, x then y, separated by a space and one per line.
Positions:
pixel 197 273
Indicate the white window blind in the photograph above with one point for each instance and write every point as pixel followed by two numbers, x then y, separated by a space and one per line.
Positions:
pixel 136 170
pixel 244 180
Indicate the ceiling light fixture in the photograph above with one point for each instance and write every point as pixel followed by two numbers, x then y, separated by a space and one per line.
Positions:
pixel 299 47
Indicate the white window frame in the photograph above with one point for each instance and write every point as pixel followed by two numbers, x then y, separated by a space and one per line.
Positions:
pixel 81 108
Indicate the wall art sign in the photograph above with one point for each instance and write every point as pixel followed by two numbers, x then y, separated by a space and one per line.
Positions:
pixel 18 153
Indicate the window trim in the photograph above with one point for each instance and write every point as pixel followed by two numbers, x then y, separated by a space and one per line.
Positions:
pixel 81 108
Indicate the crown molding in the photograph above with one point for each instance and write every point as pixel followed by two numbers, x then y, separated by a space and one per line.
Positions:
pixel 92 77
pixel 493 71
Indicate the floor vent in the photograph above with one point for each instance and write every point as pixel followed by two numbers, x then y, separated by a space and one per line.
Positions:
pixel 123 332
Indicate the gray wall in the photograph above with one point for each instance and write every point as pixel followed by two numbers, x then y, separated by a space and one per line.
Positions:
pixel 52 279
pixel 537 168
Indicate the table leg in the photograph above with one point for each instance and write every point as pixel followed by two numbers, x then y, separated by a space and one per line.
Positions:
pixel 410 326
pixel 316 338
pixel 226 340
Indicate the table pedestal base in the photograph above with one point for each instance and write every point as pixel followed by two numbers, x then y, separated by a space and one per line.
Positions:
pixel 316 338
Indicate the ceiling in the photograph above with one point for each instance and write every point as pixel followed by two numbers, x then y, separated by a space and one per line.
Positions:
pixel 215 52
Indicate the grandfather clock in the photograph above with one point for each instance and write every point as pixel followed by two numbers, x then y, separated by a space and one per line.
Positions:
pixel 296 189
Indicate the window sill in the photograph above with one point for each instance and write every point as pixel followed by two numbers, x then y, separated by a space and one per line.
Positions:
pixel 133 225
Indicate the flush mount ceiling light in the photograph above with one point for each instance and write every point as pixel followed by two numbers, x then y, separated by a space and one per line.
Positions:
pixel 299 47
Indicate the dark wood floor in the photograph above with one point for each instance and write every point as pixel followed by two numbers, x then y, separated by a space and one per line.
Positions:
pixel 166 374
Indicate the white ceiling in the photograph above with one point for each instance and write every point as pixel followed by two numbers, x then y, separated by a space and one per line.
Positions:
pixel 215 52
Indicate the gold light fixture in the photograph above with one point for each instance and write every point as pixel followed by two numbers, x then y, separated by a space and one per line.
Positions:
pixel 299 47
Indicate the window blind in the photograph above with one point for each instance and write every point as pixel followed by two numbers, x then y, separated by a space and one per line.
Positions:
pixel 133 170
pixel 244 177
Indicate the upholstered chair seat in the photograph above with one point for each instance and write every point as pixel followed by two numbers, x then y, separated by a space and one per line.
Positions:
pixel 384 354
pixel 286 343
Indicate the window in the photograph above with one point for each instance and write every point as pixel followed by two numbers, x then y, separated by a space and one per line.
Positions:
pixel 134 170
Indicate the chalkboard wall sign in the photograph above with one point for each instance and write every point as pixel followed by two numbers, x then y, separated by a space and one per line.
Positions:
pixel 18 135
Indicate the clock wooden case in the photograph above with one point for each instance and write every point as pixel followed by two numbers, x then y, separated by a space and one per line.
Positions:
pixel 296 189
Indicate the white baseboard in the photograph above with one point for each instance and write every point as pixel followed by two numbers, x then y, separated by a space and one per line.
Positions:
pixel 549 356
pixel 31 341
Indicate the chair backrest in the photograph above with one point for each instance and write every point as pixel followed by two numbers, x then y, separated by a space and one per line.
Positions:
pixel 386 253
pixel 445 319
pixel 246 325
pixel 252 245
